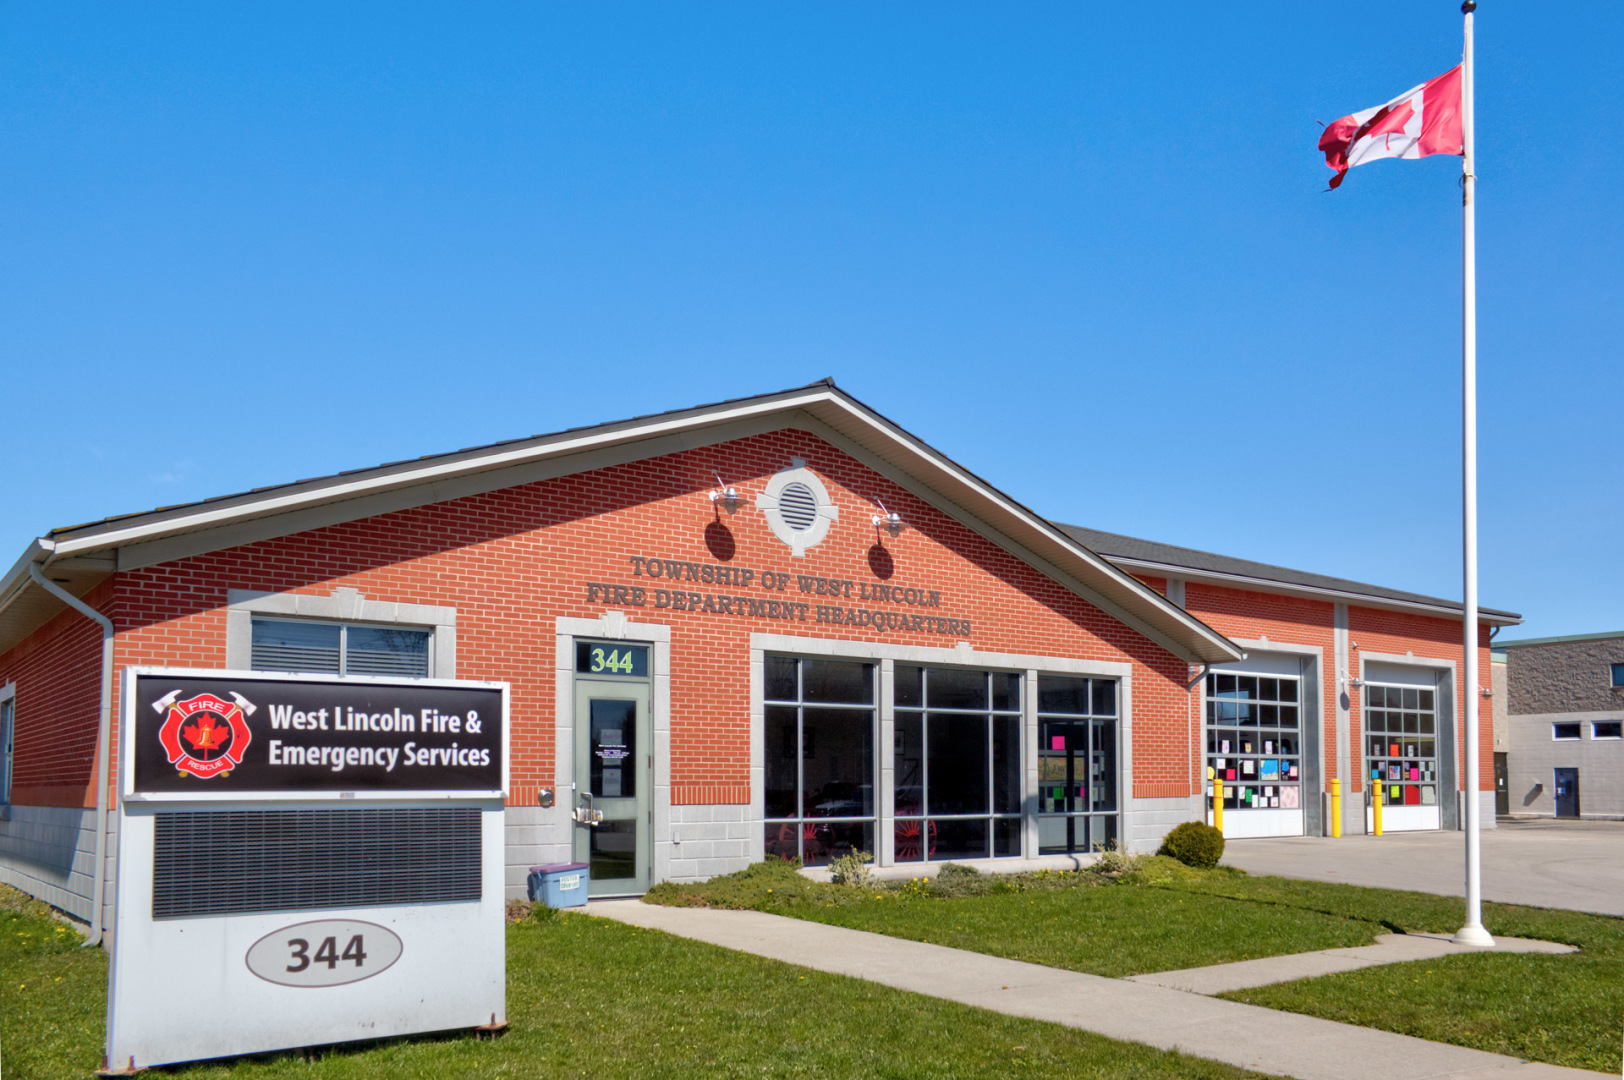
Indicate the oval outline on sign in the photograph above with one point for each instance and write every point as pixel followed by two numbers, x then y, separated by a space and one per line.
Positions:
pixel 350 926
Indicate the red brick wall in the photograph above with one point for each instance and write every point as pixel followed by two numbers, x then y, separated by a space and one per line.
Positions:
pixel 1241 613
pixel 1398 633
pixel 512 561
pixel 58 675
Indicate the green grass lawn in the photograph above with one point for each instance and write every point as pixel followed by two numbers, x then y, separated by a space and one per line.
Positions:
pixel 1080 921
pixel 1560 1009
pixel 592 998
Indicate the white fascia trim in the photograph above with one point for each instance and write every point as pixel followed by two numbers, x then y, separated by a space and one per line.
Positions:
pixel 17 579
pixel 1312 592
pixel 1021 551
pixel 206 518
pixel 563 445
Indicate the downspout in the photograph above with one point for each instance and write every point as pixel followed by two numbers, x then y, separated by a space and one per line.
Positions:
pixel 103 737
pixel 1202 674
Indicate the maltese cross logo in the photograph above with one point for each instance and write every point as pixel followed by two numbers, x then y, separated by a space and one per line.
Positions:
pixel 204 736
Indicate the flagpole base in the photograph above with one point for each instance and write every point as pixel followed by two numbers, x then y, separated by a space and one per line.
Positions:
pixel 1474 934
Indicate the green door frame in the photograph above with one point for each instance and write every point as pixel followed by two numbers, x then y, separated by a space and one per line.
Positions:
pixel 613 796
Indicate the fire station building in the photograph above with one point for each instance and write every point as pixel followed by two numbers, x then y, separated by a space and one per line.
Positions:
pixel 775 625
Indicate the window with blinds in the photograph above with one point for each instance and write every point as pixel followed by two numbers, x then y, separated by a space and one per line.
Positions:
pixel 339 648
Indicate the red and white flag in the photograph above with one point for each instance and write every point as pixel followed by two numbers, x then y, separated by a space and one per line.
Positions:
pixel 1422 121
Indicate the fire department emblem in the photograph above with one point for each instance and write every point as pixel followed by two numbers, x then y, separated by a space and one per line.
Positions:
pixel 204 736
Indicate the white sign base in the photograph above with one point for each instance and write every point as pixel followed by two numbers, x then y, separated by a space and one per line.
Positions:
pixel 183 989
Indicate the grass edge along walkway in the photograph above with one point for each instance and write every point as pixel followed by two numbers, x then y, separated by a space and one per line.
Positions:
pixel 1246 1036
pixel 589 998
pixel 1560 1009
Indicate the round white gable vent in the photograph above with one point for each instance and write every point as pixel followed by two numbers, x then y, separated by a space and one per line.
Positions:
pixel 798 507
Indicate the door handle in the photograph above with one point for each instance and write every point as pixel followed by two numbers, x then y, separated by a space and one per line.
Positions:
pixel 585 814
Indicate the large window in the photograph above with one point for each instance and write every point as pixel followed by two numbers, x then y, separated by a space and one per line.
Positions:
pixel 339 648
pixel 957 763
pixel 8 736
pixel 819 748
pixel 1077 765
pixel 1254 742
pixel 1401 732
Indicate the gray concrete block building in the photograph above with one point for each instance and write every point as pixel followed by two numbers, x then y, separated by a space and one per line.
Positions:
pixel 1564 718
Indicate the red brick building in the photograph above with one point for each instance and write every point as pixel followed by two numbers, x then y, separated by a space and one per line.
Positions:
pixel 778 624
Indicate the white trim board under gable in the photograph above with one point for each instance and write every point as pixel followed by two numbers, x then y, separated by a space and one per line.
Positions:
pixel 821 409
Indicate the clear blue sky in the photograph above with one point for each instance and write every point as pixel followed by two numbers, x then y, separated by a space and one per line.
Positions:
pixel 1084 249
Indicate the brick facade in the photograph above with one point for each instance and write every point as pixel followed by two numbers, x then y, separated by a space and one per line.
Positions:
pixel 514 561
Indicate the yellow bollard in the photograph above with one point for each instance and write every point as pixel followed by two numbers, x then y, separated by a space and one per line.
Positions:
pixel 1376 807
pixel 1336 808
pixel 1218 803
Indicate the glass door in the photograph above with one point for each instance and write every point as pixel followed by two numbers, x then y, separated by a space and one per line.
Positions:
pixel 614 757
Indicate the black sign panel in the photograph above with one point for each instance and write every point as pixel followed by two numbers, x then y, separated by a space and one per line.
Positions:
pixel 230 734
pixel 605 658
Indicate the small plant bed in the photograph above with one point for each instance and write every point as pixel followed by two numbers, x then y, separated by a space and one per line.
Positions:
pixel 592 998
pixel 1160 915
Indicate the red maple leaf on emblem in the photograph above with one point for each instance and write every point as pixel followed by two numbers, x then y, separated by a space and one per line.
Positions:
pixel 206 734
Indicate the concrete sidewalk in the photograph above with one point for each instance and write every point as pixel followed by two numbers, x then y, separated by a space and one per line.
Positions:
pixel 1387 949
pixel 1254 1038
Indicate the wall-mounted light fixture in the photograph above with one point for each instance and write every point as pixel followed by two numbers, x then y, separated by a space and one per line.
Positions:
pixel 1486 691
pixel 1355 682
pixel 889 520
pixel 725 496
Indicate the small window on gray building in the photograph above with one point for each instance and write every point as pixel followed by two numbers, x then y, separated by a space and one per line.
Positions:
pixel 1607 729
pixel 1618 674
pixel 1564 732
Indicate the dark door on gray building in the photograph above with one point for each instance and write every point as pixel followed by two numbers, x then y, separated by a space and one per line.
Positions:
pixel 1567 793
pixel 1502 787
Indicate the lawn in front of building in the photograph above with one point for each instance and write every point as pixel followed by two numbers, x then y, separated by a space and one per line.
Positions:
pixel 1163 916
pixel 588 997
pixel 1088 921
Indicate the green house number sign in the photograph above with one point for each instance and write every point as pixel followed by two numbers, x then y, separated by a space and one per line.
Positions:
pixel 599 658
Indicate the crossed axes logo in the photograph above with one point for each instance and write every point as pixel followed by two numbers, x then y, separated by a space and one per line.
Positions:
pixel 216 730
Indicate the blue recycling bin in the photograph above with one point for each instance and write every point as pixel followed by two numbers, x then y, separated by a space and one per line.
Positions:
pixel 560 885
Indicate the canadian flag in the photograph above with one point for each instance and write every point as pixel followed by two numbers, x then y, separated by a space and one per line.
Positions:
pixel 1422 121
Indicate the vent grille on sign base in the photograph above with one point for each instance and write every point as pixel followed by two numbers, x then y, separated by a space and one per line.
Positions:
pixel 230 862
pixel 798 506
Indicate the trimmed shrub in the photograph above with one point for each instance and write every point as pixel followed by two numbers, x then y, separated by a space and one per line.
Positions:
pixel 1194 843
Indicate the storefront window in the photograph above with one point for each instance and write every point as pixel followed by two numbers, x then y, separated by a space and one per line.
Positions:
pixel 1401 734
pixel 819 737
pixel 1254 742
pixel 958 763
pixel 1077 764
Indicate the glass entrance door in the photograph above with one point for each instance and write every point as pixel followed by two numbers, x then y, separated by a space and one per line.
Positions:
pixel 614 757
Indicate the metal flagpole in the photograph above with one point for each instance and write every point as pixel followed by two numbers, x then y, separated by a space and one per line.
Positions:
pixel 1473 932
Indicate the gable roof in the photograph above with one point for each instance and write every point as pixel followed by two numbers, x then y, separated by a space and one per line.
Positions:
pixel 80 556
pixel 1147 556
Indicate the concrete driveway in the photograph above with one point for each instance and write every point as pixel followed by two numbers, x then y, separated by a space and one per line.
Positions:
pixel 1545 863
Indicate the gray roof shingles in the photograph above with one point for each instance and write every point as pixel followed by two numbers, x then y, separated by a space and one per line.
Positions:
pixel 1115 546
